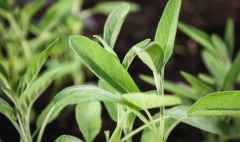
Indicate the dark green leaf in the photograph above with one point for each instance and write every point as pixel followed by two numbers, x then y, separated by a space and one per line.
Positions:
pixel 229 36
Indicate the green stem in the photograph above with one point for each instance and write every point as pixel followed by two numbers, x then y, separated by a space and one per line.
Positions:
pixel 159 81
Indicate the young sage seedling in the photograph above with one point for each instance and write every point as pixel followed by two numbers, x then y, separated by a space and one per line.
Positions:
pixel 101 59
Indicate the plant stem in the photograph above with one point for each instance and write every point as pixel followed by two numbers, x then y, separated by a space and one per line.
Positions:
pixel 159 82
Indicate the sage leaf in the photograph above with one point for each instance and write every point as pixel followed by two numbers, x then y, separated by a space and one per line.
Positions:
pixel 88 116
pixel 114 23
pixel 167 27
pixel 75 95
pixel 35 67
pixel 152 56
pixel 131 54
pixel 229 36
pixel 109 6
pixel 67 138
pixel 223 103
pixel 103 64
pixel 232 74
pixel 149 100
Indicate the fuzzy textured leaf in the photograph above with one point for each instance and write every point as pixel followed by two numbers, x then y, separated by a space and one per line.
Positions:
pixel 150 100
pixel 218 103
pixel 167 27
pixel 88 116
pixel 103 64
pixel 114 23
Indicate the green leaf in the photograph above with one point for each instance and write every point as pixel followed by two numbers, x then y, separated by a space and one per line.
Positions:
pixel 55 14
pixel 221 49
pixel 114 23
pixel 175 88
pixel 105 45
pixel 111 107
pixel 216 68
pixel 131 54
pixel 103 64
pixel 199 86
pixel 6 88
pixel 67 138
pixel 229 36
pixel 217 104
pixel 109 6
pixel 35 67
pixel 88 116
pixel 36 88
pixel 176 115
pixel 150 100
pixel 167 27
pixel 198 35
pixel 75 95
pixel 30 9
pixel 232 74
pixel 207 78
pixel 207 124
pixel 7 111
pixel 152 56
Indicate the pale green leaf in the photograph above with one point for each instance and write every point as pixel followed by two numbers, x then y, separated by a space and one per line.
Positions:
pixel 152 56
pixel 221 49
pixel 36 88
pixel 67 138
pixel 88 117
pixel 150 100
pixel 216 68
pixel 103 64
pixel 232 74
pixel 167 27
pixel 7 111
pixel 114 23
pixel 109 6
pixel 111 107
pixel 199 86
pixel 28 11
pixel 55 14
pixel 35 66
pixel 105 45
pixel 175 88
pixel 75 95
pixel 217 104
pixel 131 54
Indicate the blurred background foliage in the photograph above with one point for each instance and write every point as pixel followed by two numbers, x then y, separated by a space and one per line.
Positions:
pixel 85 17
